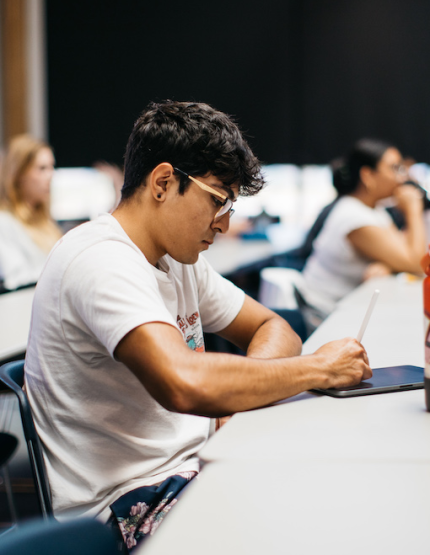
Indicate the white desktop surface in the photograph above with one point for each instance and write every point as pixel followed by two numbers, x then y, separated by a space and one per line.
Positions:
pixel 395 333
pixel 279 508
pixel 15 316
pixel 314 474
pixel 386 427
pixel 231 253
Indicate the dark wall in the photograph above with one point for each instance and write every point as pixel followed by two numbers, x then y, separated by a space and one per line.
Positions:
pixel 366 72
pixel 303 78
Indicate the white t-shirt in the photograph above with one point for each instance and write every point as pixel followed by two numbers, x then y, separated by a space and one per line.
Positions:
pixel 21 260
pixel 335 268
pixel 103 434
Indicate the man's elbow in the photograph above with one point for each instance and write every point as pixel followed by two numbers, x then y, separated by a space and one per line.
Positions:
pixel 292 339
pixel 183 394
pixel 296 344
pixel 178 401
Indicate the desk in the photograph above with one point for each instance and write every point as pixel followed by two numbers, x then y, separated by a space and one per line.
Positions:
pixel 387 427
pixel 229 254
pixel 314 474
pixel 15 316
pixel 302 509
pixel 395 334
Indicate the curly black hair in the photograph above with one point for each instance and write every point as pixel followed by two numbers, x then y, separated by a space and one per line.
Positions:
pixel 194 137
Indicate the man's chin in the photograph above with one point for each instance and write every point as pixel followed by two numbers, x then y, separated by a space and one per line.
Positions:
pixel 186 259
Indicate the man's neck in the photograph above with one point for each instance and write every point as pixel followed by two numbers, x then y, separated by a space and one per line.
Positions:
pixel 132 218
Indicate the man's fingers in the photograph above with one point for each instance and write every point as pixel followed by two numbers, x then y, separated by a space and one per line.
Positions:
pixel 368 373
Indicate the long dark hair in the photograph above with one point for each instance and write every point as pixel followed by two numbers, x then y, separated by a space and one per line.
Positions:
pixel 346 171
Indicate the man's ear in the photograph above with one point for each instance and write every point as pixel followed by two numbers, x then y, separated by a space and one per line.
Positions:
pixel 161 179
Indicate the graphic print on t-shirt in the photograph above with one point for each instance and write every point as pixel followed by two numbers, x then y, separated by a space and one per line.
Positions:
pixel 191 329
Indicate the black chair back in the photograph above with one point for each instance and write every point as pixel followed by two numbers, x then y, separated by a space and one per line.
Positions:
pixel 8 445
pixel 12 375
pixel 296 258
pixel 81 536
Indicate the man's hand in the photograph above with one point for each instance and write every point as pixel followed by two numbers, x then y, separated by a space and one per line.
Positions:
pixel 344 363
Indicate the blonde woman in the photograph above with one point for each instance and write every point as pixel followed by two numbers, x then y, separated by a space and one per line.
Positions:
pixel 27 232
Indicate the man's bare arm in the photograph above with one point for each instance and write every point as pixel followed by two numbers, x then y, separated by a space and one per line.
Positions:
pixel 262 333
pixel 217 384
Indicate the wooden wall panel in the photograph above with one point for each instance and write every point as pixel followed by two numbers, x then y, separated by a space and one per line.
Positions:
pixel 13 32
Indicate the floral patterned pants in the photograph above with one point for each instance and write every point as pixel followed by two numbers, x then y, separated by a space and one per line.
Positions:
pixel 138 513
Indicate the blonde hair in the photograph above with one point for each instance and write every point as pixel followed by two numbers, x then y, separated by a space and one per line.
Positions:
pixel 19 158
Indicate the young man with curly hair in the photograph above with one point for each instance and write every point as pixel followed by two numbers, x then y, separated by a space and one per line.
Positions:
pixel 121 388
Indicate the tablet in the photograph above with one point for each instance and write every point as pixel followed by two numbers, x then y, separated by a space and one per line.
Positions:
pixel 384 380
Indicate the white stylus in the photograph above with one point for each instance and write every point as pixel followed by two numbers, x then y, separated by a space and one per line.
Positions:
pixel 368 315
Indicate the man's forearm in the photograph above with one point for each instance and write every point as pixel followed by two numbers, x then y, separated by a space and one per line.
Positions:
pixel 262 333
pixel 225 384
pixel 274 339
pixel 217 384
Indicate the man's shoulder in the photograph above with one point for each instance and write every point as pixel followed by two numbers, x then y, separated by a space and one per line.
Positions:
pixel 96 233
pixel 96 246
pixel 104 226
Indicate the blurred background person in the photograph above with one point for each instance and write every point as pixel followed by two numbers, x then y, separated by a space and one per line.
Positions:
pixel 27 231
pixel 115 173
pixel 358 239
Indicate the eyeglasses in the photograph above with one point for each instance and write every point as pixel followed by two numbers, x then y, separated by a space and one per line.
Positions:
pixel 399 169
pixel 226 206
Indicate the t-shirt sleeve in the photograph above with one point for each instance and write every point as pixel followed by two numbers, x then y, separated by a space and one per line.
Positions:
pixel 113 290
pixel 220 301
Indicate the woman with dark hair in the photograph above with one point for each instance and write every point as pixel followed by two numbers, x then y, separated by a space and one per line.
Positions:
pixel 358 239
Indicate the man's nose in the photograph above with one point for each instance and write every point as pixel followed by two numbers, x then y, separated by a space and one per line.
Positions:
pixel 221 225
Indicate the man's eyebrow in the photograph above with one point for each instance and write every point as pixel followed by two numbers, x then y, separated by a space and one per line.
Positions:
pixel 227 190
pixel 230 193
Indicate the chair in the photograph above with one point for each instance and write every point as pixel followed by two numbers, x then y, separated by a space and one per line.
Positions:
pixel 8 445
pixel 49 537
pixel 296 320
pixel 285 288
pixel 12 375
pixel 296 258
pixel 277 287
